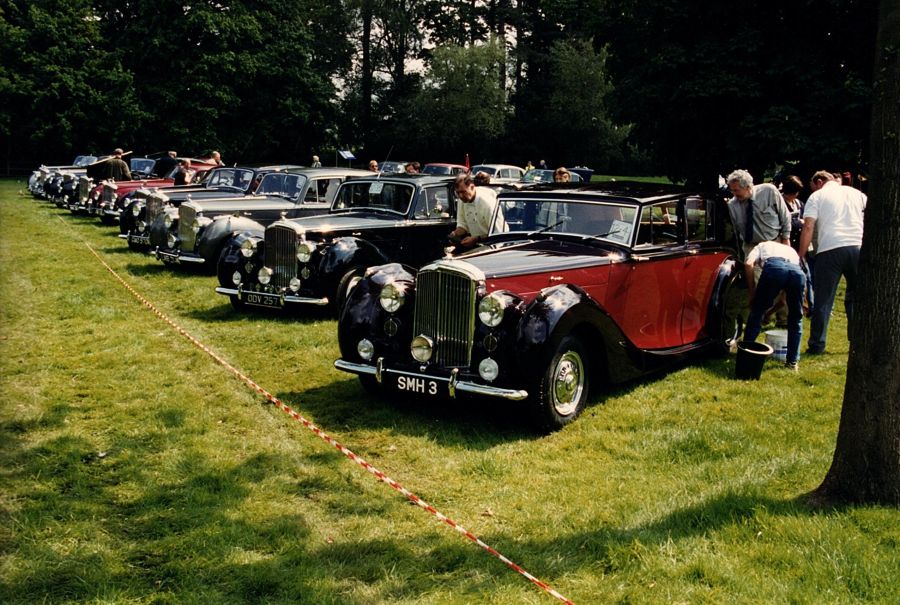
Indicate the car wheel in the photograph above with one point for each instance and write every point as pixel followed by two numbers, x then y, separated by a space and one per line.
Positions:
pixel 732 316
pixel 562 391
pixel 347 283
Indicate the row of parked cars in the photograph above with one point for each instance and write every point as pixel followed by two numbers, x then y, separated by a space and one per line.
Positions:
pixel 577 286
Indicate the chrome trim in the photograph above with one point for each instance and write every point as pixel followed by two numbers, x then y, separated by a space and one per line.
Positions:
pixel 198 260
pixel 303 300
pixel 459 386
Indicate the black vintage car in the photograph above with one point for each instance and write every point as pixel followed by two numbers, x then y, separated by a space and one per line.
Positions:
pixel 197 231
pixel 584 285
pixel 316 260
pixel 141 206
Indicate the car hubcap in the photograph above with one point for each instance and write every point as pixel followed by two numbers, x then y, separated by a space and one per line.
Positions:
pixel 568 383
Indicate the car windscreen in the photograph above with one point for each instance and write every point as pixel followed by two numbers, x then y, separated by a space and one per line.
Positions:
pixel 239 178
pixel 379 195
pixel 284 184
pixel 431 169
pixel 143 165
pixel 607 221
pixel 84 160
pixel 485 169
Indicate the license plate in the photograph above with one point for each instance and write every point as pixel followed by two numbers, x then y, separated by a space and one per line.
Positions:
pixel 262 299
pixel 167 257
pixel 414 384
pixel 143 240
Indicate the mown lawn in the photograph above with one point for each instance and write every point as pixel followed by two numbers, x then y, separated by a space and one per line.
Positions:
pixel 137 470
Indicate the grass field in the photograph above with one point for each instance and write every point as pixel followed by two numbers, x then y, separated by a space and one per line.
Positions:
pixel 137 470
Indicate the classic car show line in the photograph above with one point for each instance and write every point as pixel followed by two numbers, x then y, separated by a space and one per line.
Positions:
pixel 576 286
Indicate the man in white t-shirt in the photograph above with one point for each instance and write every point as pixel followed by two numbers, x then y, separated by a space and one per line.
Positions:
pixel 781 270
pixel 835 212
pixel 473 214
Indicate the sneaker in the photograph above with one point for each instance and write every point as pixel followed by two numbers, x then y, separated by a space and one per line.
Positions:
pixel 793 366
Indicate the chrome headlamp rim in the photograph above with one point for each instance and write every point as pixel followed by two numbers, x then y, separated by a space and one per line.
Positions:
pixel 247 248
pixel 421 348
pixel 491 309
pixel 391 298
pixel 305 251
pixel 264 275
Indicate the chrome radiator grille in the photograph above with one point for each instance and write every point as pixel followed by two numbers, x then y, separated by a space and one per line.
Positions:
pixel 445 312
pixel 84 189
pixel 281 254
pixel 153 206
pixel 186 216
pixel 109 194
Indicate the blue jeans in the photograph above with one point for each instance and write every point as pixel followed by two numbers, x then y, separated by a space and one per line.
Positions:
pixel 777 275
pixel 830 265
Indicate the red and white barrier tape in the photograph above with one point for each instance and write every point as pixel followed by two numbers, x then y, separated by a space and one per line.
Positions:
pixel 327 438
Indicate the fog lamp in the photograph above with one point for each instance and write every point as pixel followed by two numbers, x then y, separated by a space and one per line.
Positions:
pixel 236 278
pixel 421 348
pixel 391 298
pixel 294 284
pixel 366 349
pixel 488 369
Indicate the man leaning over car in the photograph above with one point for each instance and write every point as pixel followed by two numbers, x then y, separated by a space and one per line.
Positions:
pixel 473 216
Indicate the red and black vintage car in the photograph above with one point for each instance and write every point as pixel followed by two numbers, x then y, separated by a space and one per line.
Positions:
pixel 592 284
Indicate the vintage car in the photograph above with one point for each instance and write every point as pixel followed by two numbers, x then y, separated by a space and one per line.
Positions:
pixel 544 175
pixel 500 173
pixel 142 206
pixel 393 166
pixel 197 231
pixel 441 169
pixel 38 177
pixel 316 260
pixel 577 287
pixel 104 199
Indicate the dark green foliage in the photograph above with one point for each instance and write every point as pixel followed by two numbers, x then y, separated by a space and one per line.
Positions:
pixel 658 86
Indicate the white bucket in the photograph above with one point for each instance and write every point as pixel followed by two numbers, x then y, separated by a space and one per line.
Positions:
pixel 777 339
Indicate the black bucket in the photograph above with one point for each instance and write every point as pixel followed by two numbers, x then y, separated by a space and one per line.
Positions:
pixel 751 356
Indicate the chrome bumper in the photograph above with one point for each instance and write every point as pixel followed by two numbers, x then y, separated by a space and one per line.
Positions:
pixel 287 298
pixel 454 385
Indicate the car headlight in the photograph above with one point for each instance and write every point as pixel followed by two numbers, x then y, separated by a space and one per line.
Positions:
pixel 294 284
pixel 488 369
pixel 304 251
pixel 264 276
pixel 171 240
pixel 248 247
pixel 167 220
pixel 391 298
pixel 366 349
pixel 236 278
pixel 491 309
pixel 421 348
pixel 136 210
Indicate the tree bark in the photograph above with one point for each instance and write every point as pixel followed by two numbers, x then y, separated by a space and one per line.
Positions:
pixel 866 464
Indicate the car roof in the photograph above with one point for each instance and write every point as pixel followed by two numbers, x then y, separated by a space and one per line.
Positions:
pixel 446 164
pixel 632 192
pixel 420 179
pixel 497 166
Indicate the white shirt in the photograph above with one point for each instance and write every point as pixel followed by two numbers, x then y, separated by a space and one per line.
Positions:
pixel 838 212
pixel 763 251
pixel 475 216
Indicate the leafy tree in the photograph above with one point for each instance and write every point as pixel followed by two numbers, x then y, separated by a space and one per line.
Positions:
pixel 61 91
pixel 866 464
pixel 576 128
pixel 747 83
pixel 461 107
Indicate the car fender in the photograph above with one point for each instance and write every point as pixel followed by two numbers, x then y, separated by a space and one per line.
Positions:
pixel 221 231
pixel 343 254
pixel 567 309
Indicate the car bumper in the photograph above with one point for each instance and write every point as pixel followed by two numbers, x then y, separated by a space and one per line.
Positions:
pixel 452 384
pixel 176 257
pixel 270 300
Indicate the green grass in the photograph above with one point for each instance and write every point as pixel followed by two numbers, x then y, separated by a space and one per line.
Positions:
pixel 137 470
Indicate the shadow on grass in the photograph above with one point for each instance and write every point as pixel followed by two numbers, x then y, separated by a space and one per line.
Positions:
pixel 225 313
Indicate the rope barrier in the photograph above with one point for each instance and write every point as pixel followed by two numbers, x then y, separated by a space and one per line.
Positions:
pixel 379 475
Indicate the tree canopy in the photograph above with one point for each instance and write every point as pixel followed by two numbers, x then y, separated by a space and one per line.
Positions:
pixel 657 85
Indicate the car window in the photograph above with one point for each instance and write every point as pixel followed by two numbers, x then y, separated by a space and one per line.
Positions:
pixel 698 213
pixel 659 225
pixel 322 190
pixel 395 197
pixel 432 202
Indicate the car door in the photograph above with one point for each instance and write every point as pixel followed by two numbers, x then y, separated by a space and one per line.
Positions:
pixel 424 235
pixel 652 289
pixel 701 266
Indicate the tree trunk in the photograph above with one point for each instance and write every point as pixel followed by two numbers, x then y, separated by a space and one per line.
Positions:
pixel 366 79
pixel 866 465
